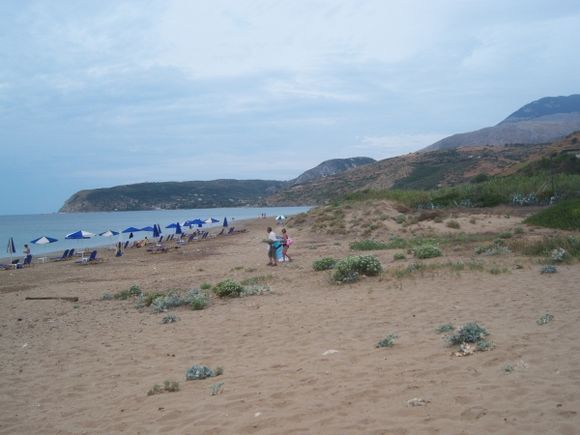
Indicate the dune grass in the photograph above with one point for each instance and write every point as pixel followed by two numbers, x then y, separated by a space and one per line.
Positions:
pixel 564 216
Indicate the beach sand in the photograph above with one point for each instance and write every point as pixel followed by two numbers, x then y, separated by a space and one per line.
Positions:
pixel 86 367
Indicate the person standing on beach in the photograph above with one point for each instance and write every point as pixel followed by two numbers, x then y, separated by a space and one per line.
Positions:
pixel 26 250
pixel 286 244
pixel 273 246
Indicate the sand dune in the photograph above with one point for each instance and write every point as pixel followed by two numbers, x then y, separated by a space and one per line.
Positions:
pixel 86 367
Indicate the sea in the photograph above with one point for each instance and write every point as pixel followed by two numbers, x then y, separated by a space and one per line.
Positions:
pixel 25 228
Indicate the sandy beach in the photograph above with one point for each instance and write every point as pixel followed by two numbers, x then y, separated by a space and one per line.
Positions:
pixel 301 358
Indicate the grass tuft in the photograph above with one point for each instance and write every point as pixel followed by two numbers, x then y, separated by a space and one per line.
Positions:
pixel 388 341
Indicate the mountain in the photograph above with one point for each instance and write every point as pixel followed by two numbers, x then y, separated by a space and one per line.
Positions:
pixel 331 167
pixel 197 194
pixel 540 121
pixel 173 195
pixel 429 170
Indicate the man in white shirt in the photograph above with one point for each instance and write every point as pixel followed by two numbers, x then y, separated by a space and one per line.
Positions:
pixel 273 242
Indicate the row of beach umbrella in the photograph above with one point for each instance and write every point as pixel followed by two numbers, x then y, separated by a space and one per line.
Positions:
pixel 82 234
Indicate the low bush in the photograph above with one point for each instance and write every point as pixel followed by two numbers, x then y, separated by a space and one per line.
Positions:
pixel 427 251
pixel 169 318
pixel 228 289
pixel 453 224
pixel 468 333
pixel 548 269
pixel 168 387
pixel 199 301
pixel 198 371
pixel 325 263
pixel 446 327
pixel 388 341
pixel 399 256
pixel 368 245
pixel 131 292
pixel 564 216
pixel 349 268
pixel 177 298
pixel 150 297
pixel 547 245
pixel 546 318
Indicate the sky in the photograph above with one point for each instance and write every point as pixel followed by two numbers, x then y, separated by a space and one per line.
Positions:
pixel 99 93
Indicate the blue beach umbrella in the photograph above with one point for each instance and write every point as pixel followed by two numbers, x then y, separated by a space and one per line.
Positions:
pixel 131 230
pixel 44 240
pixel 109 233
pixel 197 222
pixel 173 225
pixel 148 228
pixel 211 220
pixel 78 235
pixel 156 231
pixel 225 222
pixel 10 248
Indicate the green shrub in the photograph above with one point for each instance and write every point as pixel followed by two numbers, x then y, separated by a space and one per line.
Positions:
pixel 565 216
pixel 401 219
pixel 484 345
pixel 171 386
pixel 205 286
pixel 546 318
pixel 453 224
pixel 168 387
pixel 518 230
pixel 228 289
pixel 199 302
pixel 468 333
pixel 396 242
pixel 169 318
pixel 368 245
pixel 399 256
pixel 447 327
pixel 388 341
pixel 198 371
pixel 150 297
pixel 325 263
pixel 427 251
pixel 176 298
pixel 505 235
pixel 215 389
pixel 131 292
pixel 549 269
pixel 546 246
pixel 349 268
pixel 156 389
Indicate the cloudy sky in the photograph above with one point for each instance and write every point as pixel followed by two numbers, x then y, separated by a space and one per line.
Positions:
pixel 107 92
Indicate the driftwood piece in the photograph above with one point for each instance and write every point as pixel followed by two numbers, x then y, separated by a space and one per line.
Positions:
pixel 44 298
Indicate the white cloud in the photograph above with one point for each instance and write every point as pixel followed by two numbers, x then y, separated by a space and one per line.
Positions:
pixel 235 38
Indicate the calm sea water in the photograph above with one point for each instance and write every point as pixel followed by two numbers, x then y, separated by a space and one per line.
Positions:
pixel 25 228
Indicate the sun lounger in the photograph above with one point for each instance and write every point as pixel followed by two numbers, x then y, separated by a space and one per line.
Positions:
pixel 64 256
pixel 90 259
pixel 27 262
pixel 158 249
pixel 71 253
pixel 13 265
